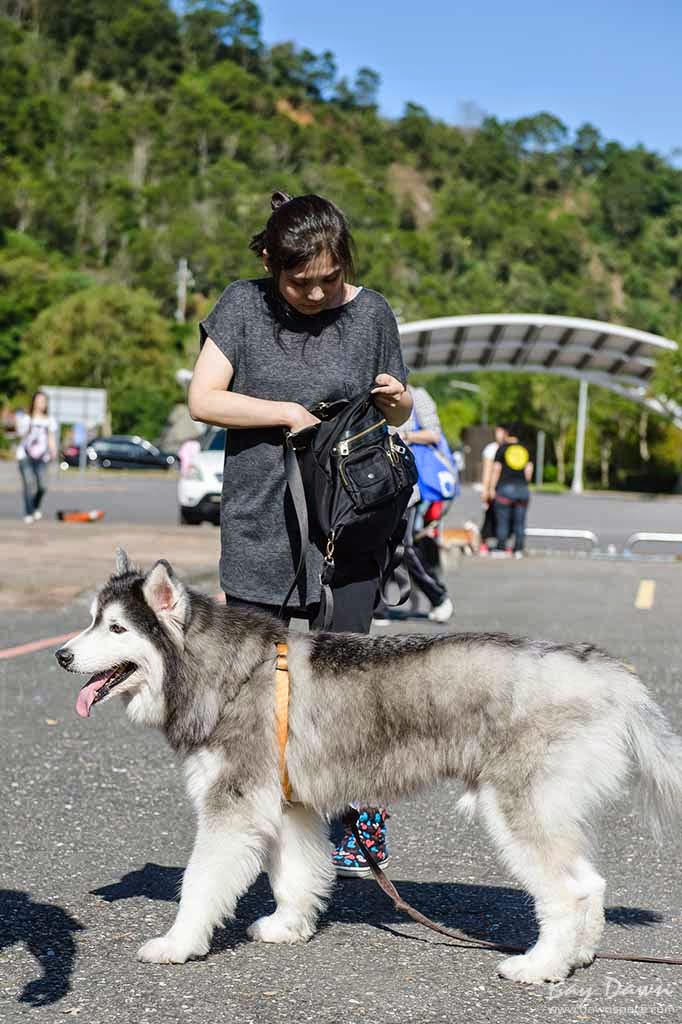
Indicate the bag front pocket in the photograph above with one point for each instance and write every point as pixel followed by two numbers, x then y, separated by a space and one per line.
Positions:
pixel 369 477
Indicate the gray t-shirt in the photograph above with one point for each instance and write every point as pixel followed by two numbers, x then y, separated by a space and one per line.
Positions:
pixel 280 356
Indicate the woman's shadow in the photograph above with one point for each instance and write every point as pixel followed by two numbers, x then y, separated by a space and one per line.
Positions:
pixel 47 931
pixel 494 913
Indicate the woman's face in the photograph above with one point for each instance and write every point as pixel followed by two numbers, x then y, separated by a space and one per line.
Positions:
pixel 312 287
pixel 40 405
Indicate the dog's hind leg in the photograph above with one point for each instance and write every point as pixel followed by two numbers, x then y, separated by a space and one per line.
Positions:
pixel 301 876
pixel 592 911
pixel 541 857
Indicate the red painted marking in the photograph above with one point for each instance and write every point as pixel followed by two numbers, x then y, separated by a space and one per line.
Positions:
pixel 35 645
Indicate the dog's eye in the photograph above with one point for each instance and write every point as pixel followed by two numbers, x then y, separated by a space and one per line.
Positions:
pixel 115 628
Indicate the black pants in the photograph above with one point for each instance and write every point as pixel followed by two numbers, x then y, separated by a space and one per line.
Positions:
pixel 488 529
pixel 353 607
pixel 420 559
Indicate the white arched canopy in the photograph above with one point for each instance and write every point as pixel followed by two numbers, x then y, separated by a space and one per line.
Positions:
pixel 615 357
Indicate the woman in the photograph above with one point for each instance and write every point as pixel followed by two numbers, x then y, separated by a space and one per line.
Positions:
pixel 37 447
pixel 271 349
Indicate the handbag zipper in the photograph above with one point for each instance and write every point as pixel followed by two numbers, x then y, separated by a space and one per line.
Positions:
pixel 343 447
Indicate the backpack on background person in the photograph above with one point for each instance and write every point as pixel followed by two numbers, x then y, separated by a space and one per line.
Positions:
pixel 437 469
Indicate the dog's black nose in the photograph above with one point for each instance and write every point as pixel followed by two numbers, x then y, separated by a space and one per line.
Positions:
pixel 64 656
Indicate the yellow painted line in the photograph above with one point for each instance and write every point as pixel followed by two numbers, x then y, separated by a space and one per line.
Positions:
pixel 645 595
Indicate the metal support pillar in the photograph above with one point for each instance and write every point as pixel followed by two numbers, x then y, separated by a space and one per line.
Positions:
pixel 540 458
pixel 577 486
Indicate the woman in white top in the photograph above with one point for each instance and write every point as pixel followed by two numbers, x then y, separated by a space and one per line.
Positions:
pixel 36 448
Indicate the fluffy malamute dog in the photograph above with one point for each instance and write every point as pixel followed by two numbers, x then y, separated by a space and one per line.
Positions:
pixel 540 733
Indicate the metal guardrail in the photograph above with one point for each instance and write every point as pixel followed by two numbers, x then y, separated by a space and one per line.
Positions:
pixel 585 535
pixel 652 538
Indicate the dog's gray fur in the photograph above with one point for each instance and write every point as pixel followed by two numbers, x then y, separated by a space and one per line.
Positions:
pixel 540 733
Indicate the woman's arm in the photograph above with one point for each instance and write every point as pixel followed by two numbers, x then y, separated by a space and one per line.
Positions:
pixel 392 398
pixel 528 471
pixel 494 477
pixel 421 436
pixel 209 401
pixel 52 444
pixel 486 478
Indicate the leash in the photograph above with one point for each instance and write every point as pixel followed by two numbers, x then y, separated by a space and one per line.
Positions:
pixel 350 820
pixel 463 940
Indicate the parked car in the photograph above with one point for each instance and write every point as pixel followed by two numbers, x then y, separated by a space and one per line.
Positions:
pixel 200 487
pixel 120 452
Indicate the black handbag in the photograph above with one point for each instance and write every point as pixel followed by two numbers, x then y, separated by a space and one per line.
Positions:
pixel 350 481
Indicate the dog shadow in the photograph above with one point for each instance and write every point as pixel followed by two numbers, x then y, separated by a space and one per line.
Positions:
pixel 47 932
pixel 494 913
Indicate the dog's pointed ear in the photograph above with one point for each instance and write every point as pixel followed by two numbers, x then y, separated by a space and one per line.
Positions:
pixel 166 596
pixel 122 562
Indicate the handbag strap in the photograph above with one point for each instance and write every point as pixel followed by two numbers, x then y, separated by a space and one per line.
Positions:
pixel 297 492
pixel 295 485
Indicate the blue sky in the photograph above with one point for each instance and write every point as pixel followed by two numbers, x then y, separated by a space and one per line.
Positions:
pixel 615 63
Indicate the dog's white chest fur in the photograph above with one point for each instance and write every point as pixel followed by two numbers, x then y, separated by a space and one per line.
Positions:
pixel 202 770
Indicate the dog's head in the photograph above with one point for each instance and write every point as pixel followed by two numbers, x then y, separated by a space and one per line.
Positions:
pixel 138 623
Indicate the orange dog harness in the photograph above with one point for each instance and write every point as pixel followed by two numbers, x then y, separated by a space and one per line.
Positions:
pixel 282 715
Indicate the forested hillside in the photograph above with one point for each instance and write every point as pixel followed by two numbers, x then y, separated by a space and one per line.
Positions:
pixel 132 136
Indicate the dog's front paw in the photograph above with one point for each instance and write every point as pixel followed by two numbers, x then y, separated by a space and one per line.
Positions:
pixel 275 928
pixel 167 949
pixel 532 970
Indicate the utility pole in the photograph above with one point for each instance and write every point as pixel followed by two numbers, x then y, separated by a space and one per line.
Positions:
pixel 185 280
pixel 577 486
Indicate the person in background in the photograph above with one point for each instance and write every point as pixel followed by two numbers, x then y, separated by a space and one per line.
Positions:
pixel 488 528
pixel 186 453
pixel 37 432
pixel 421 550
pixel 511 474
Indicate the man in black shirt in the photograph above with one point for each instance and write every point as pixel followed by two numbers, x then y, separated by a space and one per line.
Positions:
pixel 512 472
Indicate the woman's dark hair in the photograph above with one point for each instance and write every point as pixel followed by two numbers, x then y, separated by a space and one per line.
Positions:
pixel 33 402
pixel 301 228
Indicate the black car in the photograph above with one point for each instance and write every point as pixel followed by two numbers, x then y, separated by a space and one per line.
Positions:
pixel 120 451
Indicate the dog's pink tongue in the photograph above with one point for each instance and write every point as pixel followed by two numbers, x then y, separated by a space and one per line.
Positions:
pixel 87 695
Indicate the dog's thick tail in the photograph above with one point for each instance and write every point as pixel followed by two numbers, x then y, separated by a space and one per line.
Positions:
pixel 658 753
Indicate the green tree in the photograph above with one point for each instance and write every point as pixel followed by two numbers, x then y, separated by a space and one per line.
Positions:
pixel 108 337
pixel 131 41
pixel 30 281
pixel 555 403
pixel 218 29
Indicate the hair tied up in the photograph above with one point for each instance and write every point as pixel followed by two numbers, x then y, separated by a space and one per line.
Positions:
pixel 279 199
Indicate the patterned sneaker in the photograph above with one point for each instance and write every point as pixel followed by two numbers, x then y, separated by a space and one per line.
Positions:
pixel 347 858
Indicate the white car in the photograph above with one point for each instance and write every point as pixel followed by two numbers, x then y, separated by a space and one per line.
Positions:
pixel 201 484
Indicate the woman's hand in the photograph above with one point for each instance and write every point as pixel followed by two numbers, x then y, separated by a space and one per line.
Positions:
pixel 298 417
pixel 392 398
pixel 389 390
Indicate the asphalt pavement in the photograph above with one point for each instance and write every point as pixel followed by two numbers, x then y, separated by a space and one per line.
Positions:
pixel 151 498
pixel 96 830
